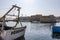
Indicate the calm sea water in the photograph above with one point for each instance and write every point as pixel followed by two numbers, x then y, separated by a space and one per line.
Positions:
pixel 38 31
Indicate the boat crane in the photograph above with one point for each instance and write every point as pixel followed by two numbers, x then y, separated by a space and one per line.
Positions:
pixel 11 33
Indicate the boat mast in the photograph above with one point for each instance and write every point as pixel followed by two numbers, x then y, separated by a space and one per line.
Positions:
pixel 18 19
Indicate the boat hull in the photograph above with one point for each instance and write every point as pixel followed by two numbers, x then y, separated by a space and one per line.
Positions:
pixel 13 33
pixel 56 32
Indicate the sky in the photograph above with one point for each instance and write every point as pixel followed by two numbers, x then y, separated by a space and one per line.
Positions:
pixel 32 7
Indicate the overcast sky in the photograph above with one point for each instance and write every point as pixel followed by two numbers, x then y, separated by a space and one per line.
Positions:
pixel 32 7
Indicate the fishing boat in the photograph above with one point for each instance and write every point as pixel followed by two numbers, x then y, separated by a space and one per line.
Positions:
pixel 56 30
pixel 14 32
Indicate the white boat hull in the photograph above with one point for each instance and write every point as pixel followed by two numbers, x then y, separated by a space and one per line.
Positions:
pixel 11 34
pixel 17 35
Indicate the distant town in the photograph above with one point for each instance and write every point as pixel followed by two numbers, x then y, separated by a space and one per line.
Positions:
pixel 40 18
pixel 37 18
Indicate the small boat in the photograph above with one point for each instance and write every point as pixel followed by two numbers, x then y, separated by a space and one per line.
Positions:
pixel 56 31
pixel 11 33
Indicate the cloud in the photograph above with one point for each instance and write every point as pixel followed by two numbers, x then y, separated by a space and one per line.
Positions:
pixel 29 1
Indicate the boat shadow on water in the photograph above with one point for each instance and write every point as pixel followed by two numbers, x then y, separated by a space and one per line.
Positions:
pixel 21 38
pixel 56 35
pixel 1 38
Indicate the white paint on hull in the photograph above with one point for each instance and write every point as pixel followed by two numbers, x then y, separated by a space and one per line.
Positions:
pixel 14 36
pixel 6 35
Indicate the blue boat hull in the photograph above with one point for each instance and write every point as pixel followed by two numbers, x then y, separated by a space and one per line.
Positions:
pixel 56 32
pixel 56 29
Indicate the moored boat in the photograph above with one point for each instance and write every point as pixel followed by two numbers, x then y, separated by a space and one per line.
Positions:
pixel 56 31
pixel 11 33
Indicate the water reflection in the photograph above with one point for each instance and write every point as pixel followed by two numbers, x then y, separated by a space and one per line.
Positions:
pixel 56 35
pixel 20 38
pixel 38 31
pixel 1 38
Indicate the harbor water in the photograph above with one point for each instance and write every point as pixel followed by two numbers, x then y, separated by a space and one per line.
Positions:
pixel 38 31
